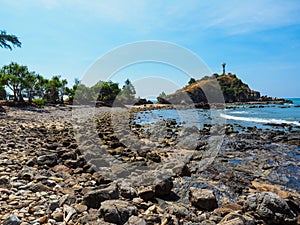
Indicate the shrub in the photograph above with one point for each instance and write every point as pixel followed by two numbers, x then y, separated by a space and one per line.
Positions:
pixel 39 102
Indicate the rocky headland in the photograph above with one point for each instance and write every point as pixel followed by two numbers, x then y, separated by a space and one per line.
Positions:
pixel 100 167
pixel 225 88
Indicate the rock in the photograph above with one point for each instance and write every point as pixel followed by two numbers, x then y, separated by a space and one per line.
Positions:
pixel 49 160
pixel 93 198
pixel 53 205
pixel 127 191
pixel 134 220
pixel 67 199
pixel 270 208
pixel 80 208
pixel 234 218
pixel 146 193
pixel 26 173
pixel 4 182
pixel 58 216
pixel 12 220
pixel 31 162
pixel 117 211
pixel 163 187
pixel 203 199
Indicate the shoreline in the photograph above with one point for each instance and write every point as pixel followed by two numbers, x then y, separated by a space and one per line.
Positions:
pixel 51 164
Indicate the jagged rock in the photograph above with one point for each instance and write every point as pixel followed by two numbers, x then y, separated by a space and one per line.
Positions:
pixel 163 187
pixel 49 160
pixel 12 220
pixel 117 211
pixel 270 207
pixel 93 198
pixel 204 199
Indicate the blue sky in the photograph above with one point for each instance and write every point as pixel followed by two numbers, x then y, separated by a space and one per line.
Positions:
pixel 259 39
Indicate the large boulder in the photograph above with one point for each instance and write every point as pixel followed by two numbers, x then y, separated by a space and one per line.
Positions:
pixel 203 199
pixel 270 208
pixel 117 211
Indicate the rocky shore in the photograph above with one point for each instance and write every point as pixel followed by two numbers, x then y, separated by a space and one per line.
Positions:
pixel 97 166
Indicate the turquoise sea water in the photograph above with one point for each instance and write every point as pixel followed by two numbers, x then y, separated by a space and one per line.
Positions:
pixel 262 116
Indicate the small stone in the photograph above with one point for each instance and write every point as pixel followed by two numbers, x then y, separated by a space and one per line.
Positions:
pixel 58 216
pixel 146 193
pixel 12 220
pixel 134 220
pixel 49 160
pixel 163 187
pixel 53 205
pixel 117 211
pixel 127 191
pixel 43 219
pixel 31 162
pixel 80 208
pixel 203 199
pixel 94 198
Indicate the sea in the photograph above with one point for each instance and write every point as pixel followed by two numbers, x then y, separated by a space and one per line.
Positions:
pixel 262 116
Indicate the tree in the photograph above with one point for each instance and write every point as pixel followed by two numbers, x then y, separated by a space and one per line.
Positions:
pixel 192 80
pixel 14 77
pixel 2 93
pixel 128 90
pixel 29 85
pixel 106 91
pixel 71 91
pixel 55 89
pixel 5 39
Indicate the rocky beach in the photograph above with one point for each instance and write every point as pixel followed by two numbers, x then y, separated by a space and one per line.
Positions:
pixel 100 167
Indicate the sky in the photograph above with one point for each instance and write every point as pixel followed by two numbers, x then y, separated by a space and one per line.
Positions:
pixel 259 39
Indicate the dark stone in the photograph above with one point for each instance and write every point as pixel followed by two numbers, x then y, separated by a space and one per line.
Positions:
pixel 271 208
pixel 146 193
pixel 12 220
pixel 31 162
pixel 163 187
pixel 49 160
pixel 93 198
pixel 203 199
pixel 117 211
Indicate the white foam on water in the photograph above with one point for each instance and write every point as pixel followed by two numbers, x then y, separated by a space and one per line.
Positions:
pixel 239 112
pixel 260 120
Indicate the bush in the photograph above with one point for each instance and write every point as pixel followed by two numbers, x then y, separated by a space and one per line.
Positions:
pixel 39 102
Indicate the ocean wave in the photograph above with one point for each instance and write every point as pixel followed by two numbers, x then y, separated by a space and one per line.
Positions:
pixel 239 112
pixel 260 120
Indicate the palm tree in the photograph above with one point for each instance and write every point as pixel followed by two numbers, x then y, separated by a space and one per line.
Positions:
pixel 6 38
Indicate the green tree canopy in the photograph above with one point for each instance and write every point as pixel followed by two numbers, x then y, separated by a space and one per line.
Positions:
pixel 8 41
pixel 14 77
pixel 192 80
pixel 128 90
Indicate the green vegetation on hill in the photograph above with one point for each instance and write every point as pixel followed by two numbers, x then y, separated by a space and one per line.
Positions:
pixel 213 89
pixel 234 90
